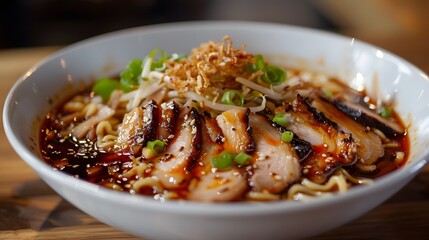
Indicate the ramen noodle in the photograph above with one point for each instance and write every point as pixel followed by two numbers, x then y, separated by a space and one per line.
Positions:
pixel 222 124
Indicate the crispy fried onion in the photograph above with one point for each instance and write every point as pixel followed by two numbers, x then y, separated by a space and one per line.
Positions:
pixel 212 64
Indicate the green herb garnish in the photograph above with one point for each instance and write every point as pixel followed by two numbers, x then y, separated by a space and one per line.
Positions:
pixel 104 87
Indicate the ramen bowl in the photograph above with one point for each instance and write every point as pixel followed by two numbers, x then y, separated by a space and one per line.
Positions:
pixel 358 64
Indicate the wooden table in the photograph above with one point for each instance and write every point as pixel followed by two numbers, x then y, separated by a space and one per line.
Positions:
pixel 29 209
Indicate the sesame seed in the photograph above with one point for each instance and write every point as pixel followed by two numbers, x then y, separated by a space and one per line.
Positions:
pixel 305 171
pixel 278 177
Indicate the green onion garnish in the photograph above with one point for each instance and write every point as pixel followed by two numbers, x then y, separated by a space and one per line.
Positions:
pixel 287 136
pixel 130 76
pixel 157 64
pixel 281 119
pixel 104 87
pixel 232 97
pixel 223 160
pixel 156 146
pixel 242 158
pixel 260 63
pixel 274 75
pixel 327 93
pixel 385 112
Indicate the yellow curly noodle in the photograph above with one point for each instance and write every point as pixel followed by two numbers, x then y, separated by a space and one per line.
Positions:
pixel 106 135
pixel 338 182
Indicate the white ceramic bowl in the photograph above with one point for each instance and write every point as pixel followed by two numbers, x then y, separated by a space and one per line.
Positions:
pixel 355 62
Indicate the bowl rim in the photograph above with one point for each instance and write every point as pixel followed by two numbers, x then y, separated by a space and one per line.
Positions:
pixel 185 206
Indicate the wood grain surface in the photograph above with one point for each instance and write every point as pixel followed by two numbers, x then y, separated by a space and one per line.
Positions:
pixel 29 209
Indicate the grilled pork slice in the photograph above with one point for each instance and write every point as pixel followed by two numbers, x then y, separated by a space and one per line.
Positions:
pixel 138 127
pixel 365 116
pixel 213 129
pixel 172 167
pixel 275 162
pixel 302 148
pixel 219 186
pixel 331 148
pixel 313 127
pixel 236 130
pixel 167 121
pixel 369 145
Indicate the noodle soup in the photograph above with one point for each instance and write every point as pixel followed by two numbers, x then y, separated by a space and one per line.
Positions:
pixel 222 124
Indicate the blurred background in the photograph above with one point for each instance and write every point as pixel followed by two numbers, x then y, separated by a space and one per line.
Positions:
pixel 397 25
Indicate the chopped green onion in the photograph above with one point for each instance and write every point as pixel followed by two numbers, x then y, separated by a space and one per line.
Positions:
pixel 242 158
pixel 130 76
pixel 223 160
pixel 260 63
pixel 157 64
pixel 287 136
pixel 327 93
pixel 156 146
pixel 281 119
pixel 274 75
pixel 250 68
pixel 232 97
pixel 385 112
pixel 104 87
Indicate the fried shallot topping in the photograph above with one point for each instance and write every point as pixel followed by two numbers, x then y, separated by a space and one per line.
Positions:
pixel 212 64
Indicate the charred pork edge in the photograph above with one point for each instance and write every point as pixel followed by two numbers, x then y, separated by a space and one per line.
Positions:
pixel 251 146
pixel 169 120
pixel 149 129
pixel 365 119
pixel 213 129
pixel 196 140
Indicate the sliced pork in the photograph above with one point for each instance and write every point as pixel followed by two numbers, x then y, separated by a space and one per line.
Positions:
pixel 168 116
pixel 235 127
pixel 369 118
pixel 276 163
pixel 172 167
pixel 313 127
pixel 220 185
pixel 369 145
pixel 138 127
